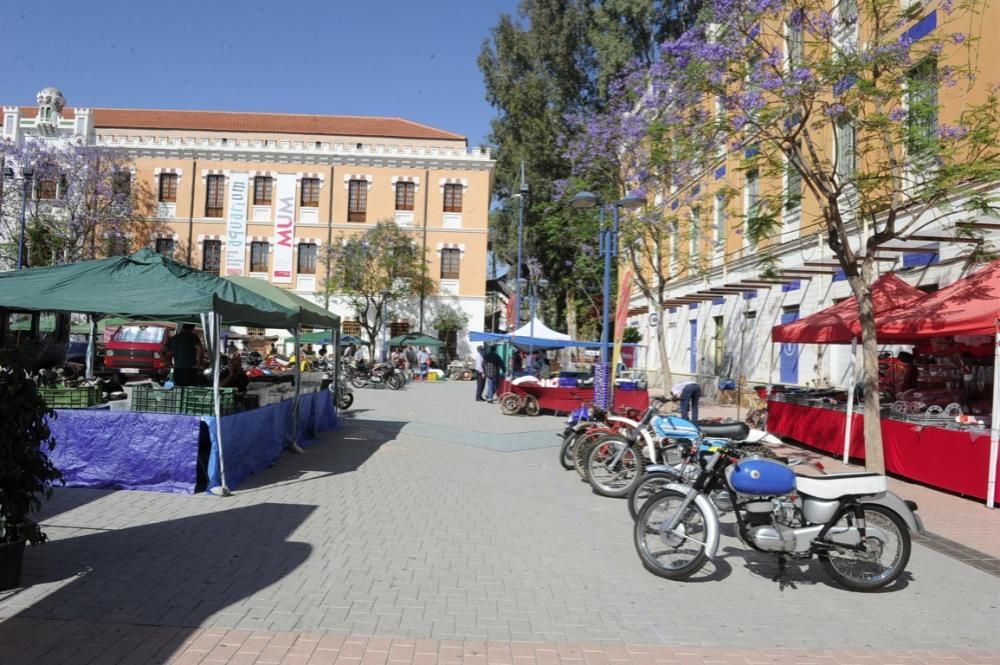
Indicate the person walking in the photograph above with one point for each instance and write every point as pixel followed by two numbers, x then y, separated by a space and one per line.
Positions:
pixel 480 377
pixel 689 393
pixel 423 362
pixel 493 368
pixel 186 354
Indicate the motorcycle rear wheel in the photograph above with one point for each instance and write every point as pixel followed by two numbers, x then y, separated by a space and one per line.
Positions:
pixel 566 450
pixel 395 381
pixel 585 443
pixel 676 555
pixel 345 401
pixel 619 480
pixel 358 380
pixel 865 571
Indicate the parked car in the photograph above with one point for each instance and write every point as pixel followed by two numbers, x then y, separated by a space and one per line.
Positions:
pixel 140 349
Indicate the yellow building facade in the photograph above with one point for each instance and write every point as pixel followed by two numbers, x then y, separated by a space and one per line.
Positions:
pixel 263 194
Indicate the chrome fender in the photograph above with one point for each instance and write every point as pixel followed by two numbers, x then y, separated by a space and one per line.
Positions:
pixel 850 536
pixel 646 436
pixel 898 506
pixel 711 518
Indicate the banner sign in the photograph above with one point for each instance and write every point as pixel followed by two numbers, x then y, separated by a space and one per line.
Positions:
pixel 284 229
pixel 621 316
pixel 236 224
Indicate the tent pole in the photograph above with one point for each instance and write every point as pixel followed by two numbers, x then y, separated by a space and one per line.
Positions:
pixel 90 347
pixel 850 399
pixel 294 446
pixel 216 325
pixel 991 483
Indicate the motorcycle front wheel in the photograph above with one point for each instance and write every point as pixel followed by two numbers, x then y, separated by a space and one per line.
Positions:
pixel 886 551
pixel 614 478
pixel 395 381
pixel 566 451
pixel 358 380
pixel 679 553
pixel 649 484
pixel 345 401
pixel 585 443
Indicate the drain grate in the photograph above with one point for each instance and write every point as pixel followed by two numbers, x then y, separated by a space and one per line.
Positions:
pixel 959 552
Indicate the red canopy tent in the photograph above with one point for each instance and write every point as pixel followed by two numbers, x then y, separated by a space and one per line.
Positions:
pixel 839 324
pixel 970 306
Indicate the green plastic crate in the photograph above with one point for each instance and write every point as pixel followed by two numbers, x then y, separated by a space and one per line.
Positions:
pixel 198 401
pixel 157 400
pixel 71 398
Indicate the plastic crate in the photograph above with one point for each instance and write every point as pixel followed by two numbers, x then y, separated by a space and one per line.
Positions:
pixel 157 400
pixel 198 401
pixel 247 401
pixel 71 398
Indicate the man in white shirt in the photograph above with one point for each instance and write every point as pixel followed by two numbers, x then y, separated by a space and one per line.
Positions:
pixel 689 392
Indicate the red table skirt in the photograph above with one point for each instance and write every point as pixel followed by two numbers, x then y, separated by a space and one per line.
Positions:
pixel 566 399
pixel 947 459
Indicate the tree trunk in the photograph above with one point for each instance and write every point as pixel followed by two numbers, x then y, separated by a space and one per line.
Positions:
pixel 874 456
pixel 571 315
pixel 666 376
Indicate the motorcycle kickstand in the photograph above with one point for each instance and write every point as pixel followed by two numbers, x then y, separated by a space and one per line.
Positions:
pixel 779 577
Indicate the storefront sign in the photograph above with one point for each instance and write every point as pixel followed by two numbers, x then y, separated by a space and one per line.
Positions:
pixel 236 224
pixel 284 229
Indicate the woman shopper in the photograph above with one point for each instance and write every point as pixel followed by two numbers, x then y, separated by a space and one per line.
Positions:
pixel 493 368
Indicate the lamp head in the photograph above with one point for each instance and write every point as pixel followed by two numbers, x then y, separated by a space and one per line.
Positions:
pixel 522 282
pixel 27 172
pixel 632 201
pixel 584 200
pixel 8 172
pixel 543 283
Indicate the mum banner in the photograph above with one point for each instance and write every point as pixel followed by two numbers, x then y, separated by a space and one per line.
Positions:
pixel 284 229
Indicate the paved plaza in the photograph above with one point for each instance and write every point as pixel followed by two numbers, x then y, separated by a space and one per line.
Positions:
pixel 433 529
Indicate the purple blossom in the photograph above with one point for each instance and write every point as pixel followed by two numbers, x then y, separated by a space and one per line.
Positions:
pixel 802 75
pixel 957 37
pixel 952 133
pixel 835 109
pixel 897 114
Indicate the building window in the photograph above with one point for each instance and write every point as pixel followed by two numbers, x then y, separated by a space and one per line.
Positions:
pixel 357 200
pixel 449 263
pixel 844 134
pixel 46 189
pixel 168 187
pixel 165 246
pixel 309 198
pixel 307 258
pixel 263 188
pixel 753 201
pixel 258 256
pixel 351 328
pixel 404 195
pixel 214 195
pixel 398 328
pixel 693 250
pixel 255 331
pixel 793 182
pixel 720 220
pixel 211 255
pixel 795 44
pixel 121 183
pixel 453 198
pixel 922 106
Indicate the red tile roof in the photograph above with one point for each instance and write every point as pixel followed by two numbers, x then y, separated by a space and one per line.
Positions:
pixel 270 123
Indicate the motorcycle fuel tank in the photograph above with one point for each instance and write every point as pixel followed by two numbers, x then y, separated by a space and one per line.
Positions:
pixel 761 477
pixel 673 427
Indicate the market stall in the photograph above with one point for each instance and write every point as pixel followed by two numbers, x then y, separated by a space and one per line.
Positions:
pixel 108 449
pixel 940 427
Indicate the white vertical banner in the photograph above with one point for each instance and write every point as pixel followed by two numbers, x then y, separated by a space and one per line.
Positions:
pixel 284 229
pixel 236 224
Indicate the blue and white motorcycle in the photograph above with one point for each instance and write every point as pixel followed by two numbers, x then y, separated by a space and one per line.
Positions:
pixel 858 529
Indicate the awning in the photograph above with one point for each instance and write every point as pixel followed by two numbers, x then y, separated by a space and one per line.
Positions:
pixel 416 339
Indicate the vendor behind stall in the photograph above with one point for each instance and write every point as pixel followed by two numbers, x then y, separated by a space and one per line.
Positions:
pixel 234 376
pixel 185 352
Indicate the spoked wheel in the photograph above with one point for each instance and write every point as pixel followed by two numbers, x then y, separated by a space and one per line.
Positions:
pixel 455 374
pixel 395 381
pixel 510 404
pixel 676 554
pixel 614 467
pixel 566 451
pixel 649 484
pixel 585 443
pixel 758 449
pixel 358 380
pixel 883 557
pixel 531 406
pixel 346 400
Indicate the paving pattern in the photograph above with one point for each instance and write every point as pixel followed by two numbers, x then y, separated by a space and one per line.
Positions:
pixel 433 529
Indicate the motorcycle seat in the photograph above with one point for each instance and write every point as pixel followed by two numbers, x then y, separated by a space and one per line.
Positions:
pixel 839 485
pixel 733 431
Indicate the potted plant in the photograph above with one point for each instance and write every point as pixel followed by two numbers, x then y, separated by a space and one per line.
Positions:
pixel 26 473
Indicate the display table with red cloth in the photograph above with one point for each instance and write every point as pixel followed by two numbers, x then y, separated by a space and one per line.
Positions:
pixel 568 398
pixel 949 459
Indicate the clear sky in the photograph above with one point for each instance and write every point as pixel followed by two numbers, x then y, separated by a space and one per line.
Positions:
pixel 413 59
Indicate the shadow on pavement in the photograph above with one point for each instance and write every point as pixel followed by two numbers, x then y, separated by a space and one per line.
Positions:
pixel 175 573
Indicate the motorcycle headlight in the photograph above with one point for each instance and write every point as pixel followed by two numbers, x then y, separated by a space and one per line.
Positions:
pixel 109 353
pixel 156 354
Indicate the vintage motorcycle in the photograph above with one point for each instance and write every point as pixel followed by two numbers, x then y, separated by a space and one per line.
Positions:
pixel 379 374
pixel 858 529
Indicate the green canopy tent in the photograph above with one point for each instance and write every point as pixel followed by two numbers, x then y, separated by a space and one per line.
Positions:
pixel 146 286
pixel 416 339
pixel 325 337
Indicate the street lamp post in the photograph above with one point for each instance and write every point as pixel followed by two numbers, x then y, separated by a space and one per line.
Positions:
pixel 532 285
pixel 385 325
pixel 523 194
pixel 26 175
pixel 609 248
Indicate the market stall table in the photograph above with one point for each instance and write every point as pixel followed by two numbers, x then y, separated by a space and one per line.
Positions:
pixel 949 459
pixel 162 452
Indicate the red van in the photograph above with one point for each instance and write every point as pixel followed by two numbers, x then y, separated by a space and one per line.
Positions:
pixel 139 348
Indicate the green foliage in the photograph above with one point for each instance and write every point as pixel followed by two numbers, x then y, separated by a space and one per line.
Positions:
pixel 26 473
pixel 631 336
pixel 448 319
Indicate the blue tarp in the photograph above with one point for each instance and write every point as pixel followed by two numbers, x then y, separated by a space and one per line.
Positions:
pixel 536 342
pixel 158 451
